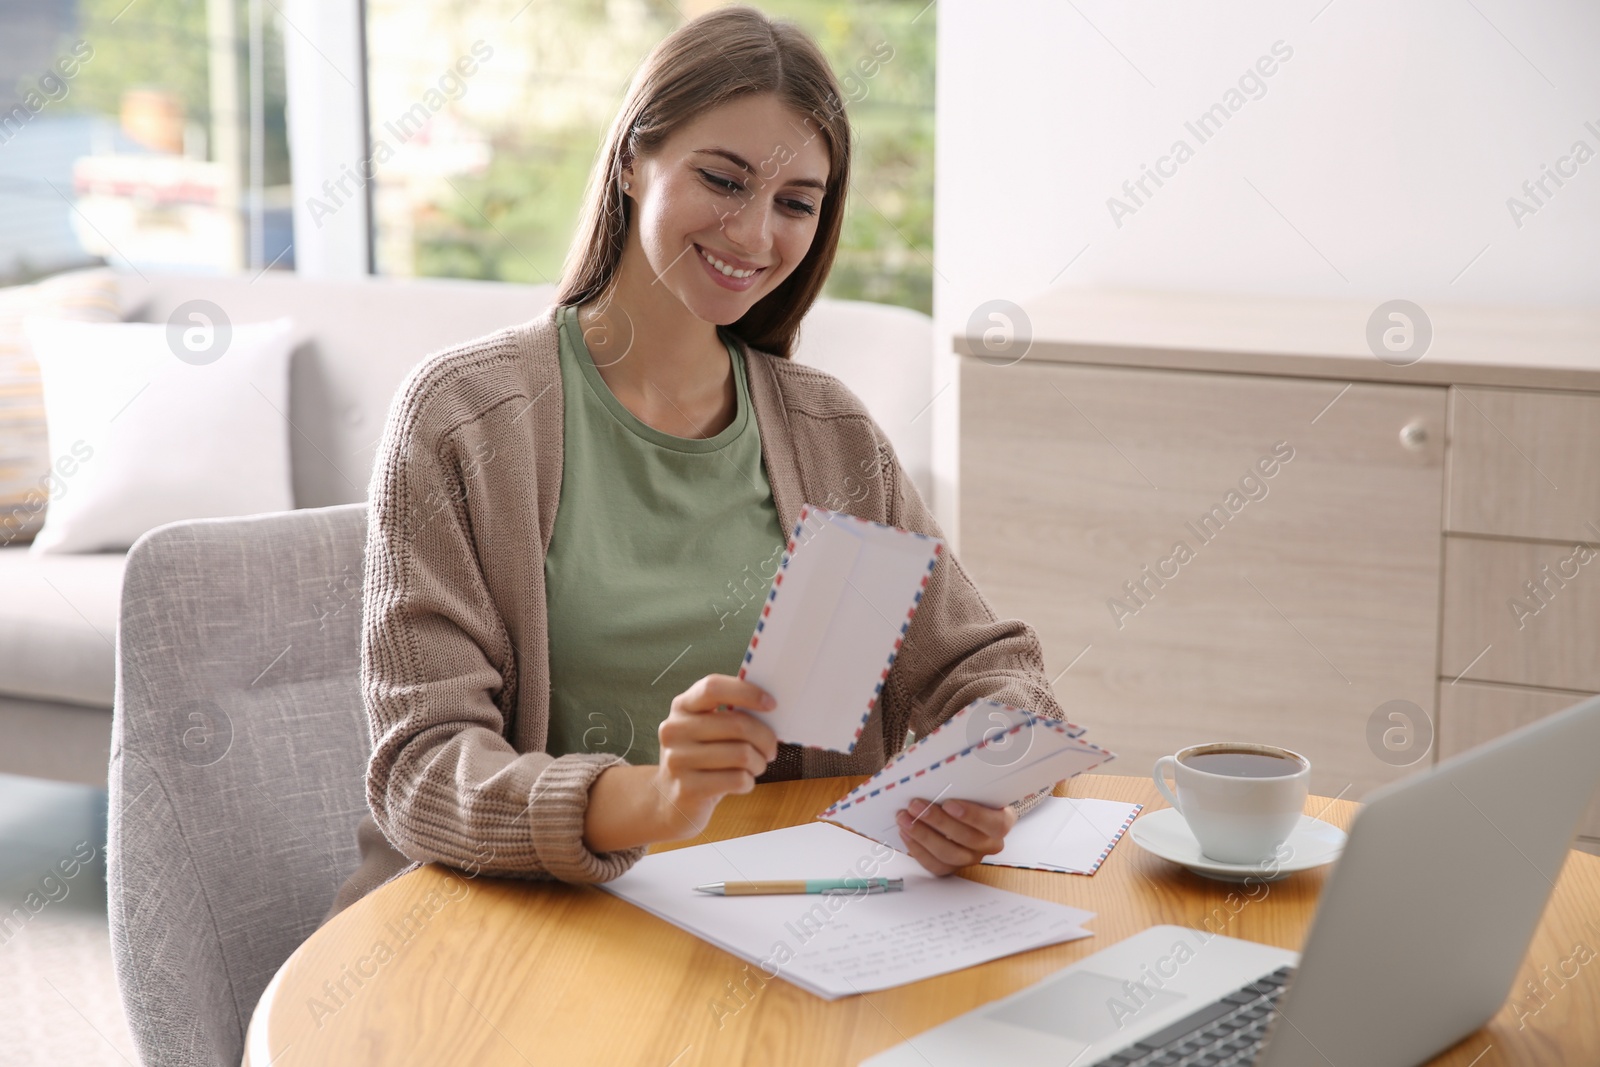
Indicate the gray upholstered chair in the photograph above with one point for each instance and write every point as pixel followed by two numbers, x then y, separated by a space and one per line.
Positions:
pixel 238 749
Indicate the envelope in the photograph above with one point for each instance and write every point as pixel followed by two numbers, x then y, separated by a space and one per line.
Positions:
pixel 833 622
pixel 988 752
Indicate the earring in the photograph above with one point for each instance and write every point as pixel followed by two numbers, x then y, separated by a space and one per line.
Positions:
pixel 624 185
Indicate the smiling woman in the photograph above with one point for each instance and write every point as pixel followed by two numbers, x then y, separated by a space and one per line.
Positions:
pixel 605 463
pixel 709 239
pixel 678 162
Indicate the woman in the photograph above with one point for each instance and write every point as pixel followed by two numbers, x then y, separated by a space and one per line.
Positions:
pixel 558 509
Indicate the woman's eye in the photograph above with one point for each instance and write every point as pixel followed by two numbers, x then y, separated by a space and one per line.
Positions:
pixel 799 207
pixel 721 183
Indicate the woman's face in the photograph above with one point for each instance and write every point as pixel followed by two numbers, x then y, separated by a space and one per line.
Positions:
pixel 742 183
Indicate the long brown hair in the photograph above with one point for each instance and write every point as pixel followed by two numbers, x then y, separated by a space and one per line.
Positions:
pixel 707 62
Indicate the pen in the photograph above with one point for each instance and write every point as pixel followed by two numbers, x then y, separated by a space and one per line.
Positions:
pixel 810 885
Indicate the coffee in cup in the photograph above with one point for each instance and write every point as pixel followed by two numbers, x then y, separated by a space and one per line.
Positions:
pixel 1241 800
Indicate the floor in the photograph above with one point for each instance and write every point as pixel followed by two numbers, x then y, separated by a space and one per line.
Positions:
pixel 56 976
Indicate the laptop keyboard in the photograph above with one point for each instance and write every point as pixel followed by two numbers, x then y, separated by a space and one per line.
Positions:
pixel 1225 1033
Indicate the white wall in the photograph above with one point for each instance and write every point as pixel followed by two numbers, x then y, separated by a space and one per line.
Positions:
pixel 1376 164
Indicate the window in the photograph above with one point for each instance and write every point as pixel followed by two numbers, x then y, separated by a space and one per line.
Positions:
pixel 481 175
pixel 149 134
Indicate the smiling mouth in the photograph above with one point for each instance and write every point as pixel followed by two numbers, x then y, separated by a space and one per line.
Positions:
pixel 726 269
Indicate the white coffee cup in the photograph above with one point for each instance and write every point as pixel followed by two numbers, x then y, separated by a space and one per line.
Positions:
pixel 1241 800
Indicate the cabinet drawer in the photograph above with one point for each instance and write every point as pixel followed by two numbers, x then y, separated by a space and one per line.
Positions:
pixel 1524 464
pixel 1471 713
pixel 1521 613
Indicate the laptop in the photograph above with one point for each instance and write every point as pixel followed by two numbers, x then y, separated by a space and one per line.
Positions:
pixel 1417 938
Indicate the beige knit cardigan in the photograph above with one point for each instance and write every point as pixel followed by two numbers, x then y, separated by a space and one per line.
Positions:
pixel 454 673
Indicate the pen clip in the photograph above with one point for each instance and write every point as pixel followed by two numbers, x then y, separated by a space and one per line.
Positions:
pixel 864 891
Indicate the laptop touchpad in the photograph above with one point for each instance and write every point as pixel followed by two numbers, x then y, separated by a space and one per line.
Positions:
pixel 1084 1006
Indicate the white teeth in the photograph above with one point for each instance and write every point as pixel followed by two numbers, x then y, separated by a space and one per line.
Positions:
pixel 726 270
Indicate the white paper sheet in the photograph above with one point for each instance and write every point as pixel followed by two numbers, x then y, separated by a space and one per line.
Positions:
pixel 833 623
pixel 839 946
pixel 1069 834
pixel 989 753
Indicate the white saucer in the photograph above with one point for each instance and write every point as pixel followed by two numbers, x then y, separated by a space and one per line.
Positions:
pixel 1166 834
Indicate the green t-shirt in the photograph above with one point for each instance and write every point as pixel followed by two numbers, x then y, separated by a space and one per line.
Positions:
pixel 663 550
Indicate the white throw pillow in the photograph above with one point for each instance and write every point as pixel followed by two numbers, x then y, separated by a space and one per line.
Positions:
pixel 140 437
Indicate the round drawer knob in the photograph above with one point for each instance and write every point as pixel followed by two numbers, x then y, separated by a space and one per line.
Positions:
pixel 1414 435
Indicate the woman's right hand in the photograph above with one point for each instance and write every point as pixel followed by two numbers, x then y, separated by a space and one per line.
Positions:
pixel 709 750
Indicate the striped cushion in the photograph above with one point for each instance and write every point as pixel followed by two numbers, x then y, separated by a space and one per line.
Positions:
pixel 85 296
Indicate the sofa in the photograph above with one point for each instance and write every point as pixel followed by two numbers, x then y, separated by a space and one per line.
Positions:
pixel 354 342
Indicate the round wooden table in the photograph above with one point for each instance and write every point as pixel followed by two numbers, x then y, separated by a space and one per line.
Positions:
pixel 435 968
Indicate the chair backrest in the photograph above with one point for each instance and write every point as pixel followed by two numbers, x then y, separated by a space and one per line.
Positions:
pixel 238 748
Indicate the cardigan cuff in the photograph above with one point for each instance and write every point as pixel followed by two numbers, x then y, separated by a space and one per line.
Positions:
pixel 556 814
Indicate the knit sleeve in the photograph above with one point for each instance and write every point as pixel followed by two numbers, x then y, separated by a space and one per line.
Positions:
pixel 443 782
pixel 956 650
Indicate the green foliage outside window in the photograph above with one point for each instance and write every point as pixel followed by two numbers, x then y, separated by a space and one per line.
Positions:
pixel 514 221
pixel 164 44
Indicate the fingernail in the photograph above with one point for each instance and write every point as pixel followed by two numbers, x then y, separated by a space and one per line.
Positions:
pixel 768 702
pixel 956 808
pixel 918 806
pixel 903 817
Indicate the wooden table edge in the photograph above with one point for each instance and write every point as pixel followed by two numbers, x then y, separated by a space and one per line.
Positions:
pixel 260 1049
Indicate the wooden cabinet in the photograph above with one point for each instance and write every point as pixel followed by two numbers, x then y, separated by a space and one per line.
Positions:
pixel 1227 519
pixel 1211 556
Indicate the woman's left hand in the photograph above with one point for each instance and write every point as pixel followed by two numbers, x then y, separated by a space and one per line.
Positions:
pixel 957 833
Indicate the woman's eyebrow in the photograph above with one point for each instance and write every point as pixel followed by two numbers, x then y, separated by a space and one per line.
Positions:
pixel 738 161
